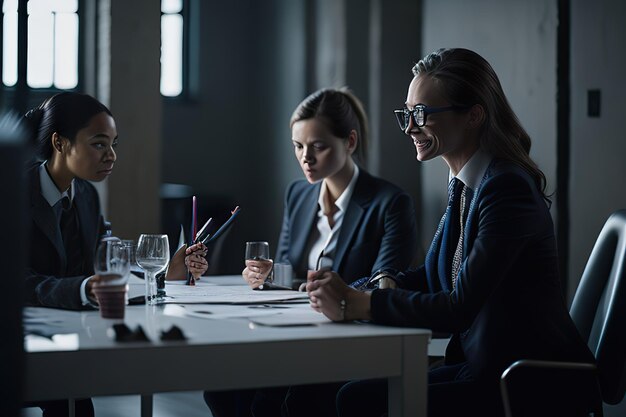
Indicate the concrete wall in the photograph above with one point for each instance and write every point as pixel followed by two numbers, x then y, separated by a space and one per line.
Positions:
pixel 518 38
pixel 134 99
pixel 230 139
pixel 598 145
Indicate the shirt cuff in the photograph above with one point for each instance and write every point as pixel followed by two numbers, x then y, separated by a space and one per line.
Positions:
pixel 85 300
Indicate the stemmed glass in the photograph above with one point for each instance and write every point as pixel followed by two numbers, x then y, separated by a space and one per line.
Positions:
pixel 153 255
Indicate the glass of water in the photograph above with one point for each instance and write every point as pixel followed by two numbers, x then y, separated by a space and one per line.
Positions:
pixel 153 255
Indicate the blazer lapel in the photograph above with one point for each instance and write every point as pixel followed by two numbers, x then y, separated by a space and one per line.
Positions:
pixel 352 218
pixel 431 262
pixel 44 218
pixel 303 223
pixel 87 225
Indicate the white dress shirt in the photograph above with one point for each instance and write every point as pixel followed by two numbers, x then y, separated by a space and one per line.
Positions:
pixel 474 169
pixel 323 250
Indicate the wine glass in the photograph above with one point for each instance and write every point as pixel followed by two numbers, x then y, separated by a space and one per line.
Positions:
pixel 153 255
pixel 259 251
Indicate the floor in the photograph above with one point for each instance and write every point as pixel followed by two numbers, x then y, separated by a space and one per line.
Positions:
pixel 187 404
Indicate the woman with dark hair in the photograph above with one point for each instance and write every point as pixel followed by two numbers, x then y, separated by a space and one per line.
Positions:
pixel 339 217
pixel 490 277
pixel 75 138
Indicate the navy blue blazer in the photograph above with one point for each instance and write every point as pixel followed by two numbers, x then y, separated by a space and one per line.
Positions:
pixel 47 284
pixel 378 229
pixel 508 303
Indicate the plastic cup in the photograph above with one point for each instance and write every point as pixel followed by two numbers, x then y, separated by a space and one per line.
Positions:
pixel 112 300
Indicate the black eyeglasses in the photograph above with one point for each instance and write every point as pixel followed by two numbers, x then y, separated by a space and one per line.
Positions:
pixel 420 113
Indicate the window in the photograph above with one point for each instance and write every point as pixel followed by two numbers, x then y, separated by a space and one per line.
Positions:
pixel 171 47
pixel 9 42
pixel 52 33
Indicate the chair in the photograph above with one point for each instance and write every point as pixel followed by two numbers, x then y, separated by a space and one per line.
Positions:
pixel 599 312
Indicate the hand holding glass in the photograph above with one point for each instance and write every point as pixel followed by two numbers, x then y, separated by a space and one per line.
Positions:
pixel 258 255
pixel 153 255
pixel 111 265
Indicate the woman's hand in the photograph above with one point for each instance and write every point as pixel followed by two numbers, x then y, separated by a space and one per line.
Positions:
pixel 195 260
pixel 328 294
pixel 256 272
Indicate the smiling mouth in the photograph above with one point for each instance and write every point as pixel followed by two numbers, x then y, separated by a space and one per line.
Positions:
pixel 422 145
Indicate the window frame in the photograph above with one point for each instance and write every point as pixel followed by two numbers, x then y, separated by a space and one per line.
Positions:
pixel 21 96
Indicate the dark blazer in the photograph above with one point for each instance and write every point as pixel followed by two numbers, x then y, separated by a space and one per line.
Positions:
pixel 508 302
pixel 47 284
pixel 378 228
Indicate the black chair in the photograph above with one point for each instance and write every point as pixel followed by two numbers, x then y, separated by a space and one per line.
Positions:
pixel 541 388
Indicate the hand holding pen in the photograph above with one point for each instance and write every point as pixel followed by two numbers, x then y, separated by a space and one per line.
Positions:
pixel 195 259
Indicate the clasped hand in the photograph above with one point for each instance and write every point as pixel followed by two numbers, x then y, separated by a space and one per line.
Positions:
pixel 257 271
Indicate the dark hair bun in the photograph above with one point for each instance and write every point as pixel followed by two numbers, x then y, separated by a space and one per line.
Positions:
pixel 34 116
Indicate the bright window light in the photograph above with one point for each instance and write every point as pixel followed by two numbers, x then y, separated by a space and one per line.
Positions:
pixel 171 6
pixel 52 58
pixel 171 49
pixel 9 42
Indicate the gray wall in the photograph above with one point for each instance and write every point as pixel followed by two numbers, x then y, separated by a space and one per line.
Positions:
pixel 131 88
pixel 518 38
pixel 229 139
pixel 598 145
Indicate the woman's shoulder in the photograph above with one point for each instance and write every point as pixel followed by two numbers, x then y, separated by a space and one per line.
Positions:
pixel 510 175
pixel 84 187
pixel 375 185
pixel 505 168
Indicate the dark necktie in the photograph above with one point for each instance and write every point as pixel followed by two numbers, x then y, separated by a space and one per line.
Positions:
pixel 72 240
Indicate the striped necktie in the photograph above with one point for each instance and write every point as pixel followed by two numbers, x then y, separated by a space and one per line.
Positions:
pixel 462 213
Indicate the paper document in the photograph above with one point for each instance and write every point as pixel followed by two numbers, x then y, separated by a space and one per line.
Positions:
pixel 209 293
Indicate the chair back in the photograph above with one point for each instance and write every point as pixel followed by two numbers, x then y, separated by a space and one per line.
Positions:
pixel 599 306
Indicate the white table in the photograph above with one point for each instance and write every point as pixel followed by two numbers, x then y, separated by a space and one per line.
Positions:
pixel 220 355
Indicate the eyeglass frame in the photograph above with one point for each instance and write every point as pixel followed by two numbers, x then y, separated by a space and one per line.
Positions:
pixel 403 115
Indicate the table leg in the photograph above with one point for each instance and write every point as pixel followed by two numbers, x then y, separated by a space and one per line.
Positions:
pixel 71 407
pixel 408 392
pixel 146 405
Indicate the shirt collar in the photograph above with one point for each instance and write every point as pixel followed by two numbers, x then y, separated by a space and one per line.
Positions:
pixel 49 189
pixel 344 199
pixel 474 169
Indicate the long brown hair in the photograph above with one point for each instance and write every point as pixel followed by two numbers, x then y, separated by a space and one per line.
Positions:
pixel 341 111
pixel 466 79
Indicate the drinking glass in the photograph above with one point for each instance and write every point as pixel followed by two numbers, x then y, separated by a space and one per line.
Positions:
pixel 153 255
pixel 112 264
pixel 259 251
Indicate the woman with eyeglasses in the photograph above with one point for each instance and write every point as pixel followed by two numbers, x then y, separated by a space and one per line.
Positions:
pixel 490 277
pixel 339 217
